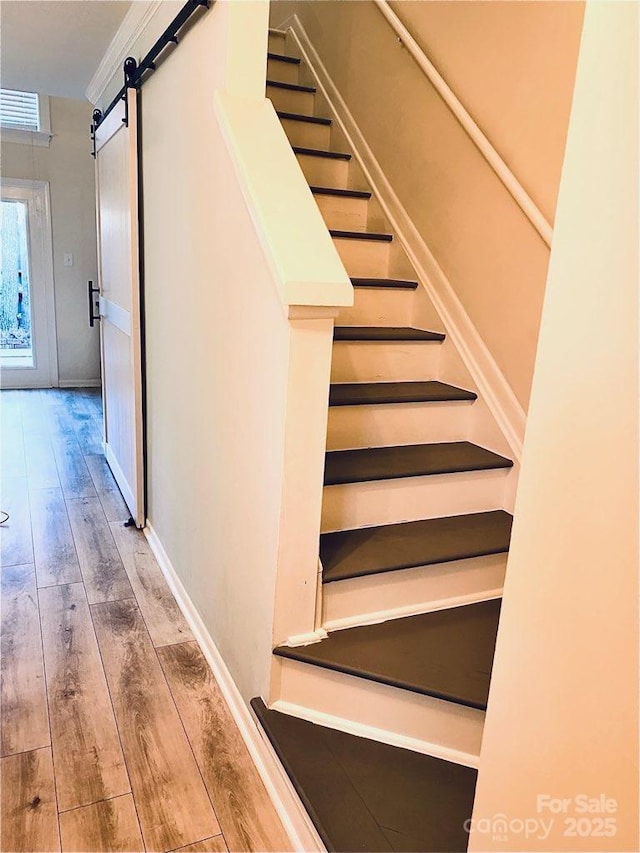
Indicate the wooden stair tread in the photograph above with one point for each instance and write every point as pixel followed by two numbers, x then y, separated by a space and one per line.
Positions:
pixel 361 235
pixel 390 547
pixel 384 333
pixel 342 193
pixel 370 393
pixel 365 795
pixel 280 57
pixel 320 152
pixel 292 87
pixel 408 460
pixel 401 284
pixel 447 654
pixel 299 117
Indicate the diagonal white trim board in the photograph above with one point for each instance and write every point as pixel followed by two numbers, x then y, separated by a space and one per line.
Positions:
pixel 134 23
pixel 513 185
pixel 291 812
pixel 375 618
pixel 491 383
pixel 358 729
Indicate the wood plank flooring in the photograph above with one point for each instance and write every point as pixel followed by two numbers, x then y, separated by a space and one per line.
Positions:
pixel 25 723
pixel 86 746
pixel 28 802
pixel 114 733
pixel 108 825
pixel 219 750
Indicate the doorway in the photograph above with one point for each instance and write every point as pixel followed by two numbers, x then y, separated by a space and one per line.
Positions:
pixel 28 352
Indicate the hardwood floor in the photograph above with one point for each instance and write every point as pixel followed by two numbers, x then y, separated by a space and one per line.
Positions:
pixel 114 733
pixel 173 805
pixel 220 752
pixel 86 747
pixel 107 825
pixel 28 802
pixel 25 724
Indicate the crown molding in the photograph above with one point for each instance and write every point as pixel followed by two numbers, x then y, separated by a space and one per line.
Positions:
pixel 135 22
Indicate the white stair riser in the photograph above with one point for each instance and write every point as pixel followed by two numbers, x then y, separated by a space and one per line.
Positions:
pixel 377 306
pixel 291 101
pixel 377 361
pixel 342 212
pixel 388 714
pixel 410 498
pixel 364 258
pixel 397 423
pixel 283 72
pixel 307 134
pixel 324 171
pixel 277 43
pixel 375 598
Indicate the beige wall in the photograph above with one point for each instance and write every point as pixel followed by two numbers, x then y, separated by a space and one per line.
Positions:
pixel 68 166
pixel 491 254
pixel 213 319
pixel 217 343
pixel 562 717
pixel 241 280
pixel 512 64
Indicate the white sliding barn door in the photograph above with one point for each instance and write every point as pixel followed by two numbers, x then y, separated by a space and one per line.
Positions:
pixel 119 281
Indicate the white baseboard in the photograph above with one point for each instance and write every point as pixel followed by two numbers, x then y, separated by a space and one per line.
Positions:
pixel 79 383
pixel 491 383
pixel 329 721
pixel 294 817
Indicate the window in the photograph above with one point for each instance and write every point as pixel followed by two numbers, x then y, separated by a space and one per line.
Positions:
pixel 15 291
pixel 19 110
pixel 28 356
pixel 24 117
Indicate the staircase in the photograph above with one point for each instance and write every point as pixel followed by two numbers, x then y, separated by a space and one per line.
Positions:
pixel 379 723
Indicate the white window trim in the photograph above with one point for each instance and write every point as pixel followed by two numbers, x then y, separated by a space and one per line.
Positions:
pixel 41 137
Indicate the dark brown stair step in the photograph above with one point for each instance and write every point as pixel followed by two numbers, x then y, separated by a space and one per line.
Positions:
pixel 361 235
pixel 401 284
pixel 384 333
pixel 371 393
pixel 390 547
pixel 299 117
pixel 342 193
pixel 319 152
pixel 447 654
pixel 292 87
pixel 369 796
pixel 280 57
pixel 408 460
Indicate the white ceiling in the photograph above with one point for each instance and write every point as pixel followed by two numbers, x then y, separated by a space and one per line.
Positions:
pixel 54 46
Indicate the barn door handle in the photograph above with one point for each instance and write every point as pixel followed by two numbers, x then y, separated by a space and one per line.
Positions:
pixel 92 302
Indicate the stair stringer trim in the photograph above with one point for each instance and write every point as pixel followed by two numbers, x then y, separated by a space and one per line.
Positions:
pixel 340 724
pixel 420 606
pixel 500 399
